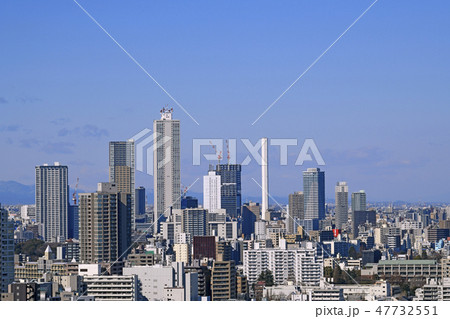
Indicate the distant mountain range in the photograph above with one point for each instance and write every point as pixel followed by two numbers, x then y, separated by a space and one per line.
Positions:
pixel 14 193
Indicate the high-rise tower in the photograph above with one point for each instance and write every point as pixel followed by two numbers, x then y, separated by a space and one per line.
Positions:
pixel 341 210
pixel 359 201
pixel 52 201
pixel 265 180
pixel 105 224
pixel 230 179
pixel 211 191
pixel 296 211
pixel 166 166
pixel 314 192
pixel 122 170
pixel 6 251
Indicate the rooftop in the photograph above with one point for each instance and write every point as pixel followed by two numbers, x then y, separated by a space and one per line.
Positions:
pixel 407 262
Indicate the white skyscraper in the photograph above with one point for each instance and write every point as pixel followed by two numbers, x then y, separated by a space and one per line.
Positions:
pixel 52 201
pixel 341 212
pixel 166 165
pixel 211 191
pixel 265 180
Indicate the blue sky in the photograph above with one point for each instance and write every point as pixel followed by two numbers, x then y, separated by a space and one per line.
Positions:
pixel 376 104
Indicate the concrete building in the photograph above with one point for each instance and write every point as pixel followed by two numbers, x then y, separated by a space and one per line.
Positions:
pixel 250 214
pixel 122 170
pixel 303 266
pixel 434 290
pixel 105 224
pixel 314 192
pixel 204 247
pixel 230 191
pixel 341 211
pixel 194 221
pixel 6 251
pixel 166 166
pixel 112 288
pixel 296 211
pixel 211 191
pixel 182 253
pixel 359 201
pixel 223 281
pixel 52 201
pixel 411 270
pixel 169 283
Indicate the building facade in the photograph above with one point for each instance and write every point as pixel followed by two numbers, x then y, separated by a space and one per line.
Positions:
pixel 296 211
pixel 6 251
pixel 52 201
pixel 105 224
pixel 314 192
pixel 341 210
pixel 230 192
pixel 122 170
pixel 166 166
pixel 359 201
pixel 211 191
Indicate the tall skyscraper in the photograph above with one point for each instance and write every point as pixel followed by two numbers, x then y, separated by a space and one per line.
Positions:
pixel 139 201
pixel 122 170
pixel 341 210
pixel 6 251
pixel 296 211
pixel 265 179
pixel 314 192
pixel 359 201
pixel 52 201
pixel 105 224
pixel 166 163
pixel 230 192
pixel 211 191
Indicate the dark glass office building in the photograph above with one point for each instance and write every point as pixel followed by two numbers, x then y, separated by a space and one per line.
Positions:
pixel 230 193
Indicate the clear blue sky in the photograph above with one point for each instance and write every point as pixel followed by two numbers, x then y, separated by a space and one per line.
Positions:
pixel 377 104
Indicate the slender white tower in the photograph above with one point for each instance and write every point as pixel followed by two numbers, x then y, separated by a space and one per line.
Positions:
pixel 265 180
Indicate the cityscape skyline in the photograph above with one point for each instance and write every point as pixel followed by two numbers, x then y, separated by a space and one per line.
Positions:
pixel 226 151
pixel 376 143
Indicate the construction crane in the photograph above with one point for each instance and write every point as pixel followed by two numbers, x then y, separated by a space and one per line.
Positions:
pixel 74 196
pixel 184 190
pixel 219 154
pixel 228 153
